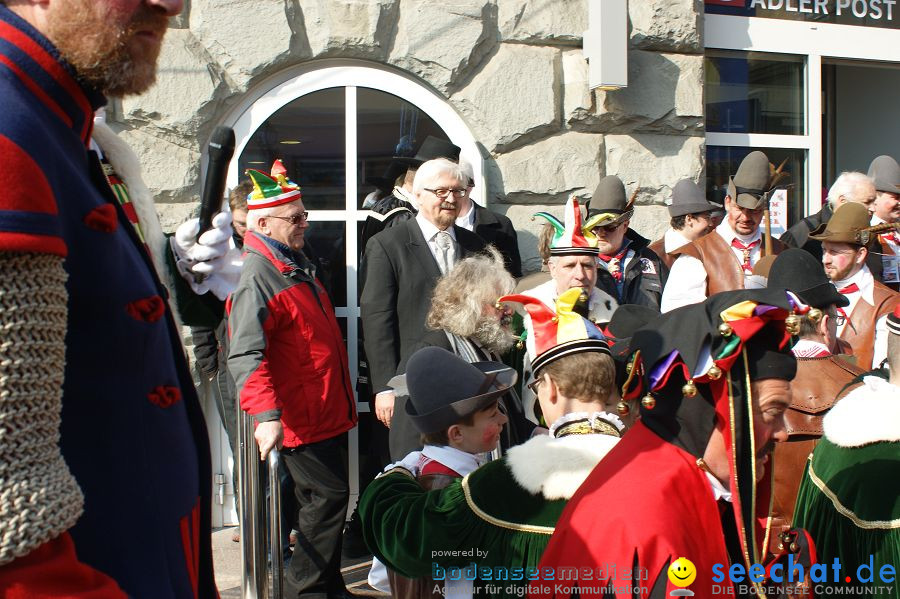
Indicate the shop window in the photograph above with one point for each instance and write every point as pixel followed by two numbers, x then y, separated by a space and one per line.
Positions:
pixel 755 93
pixel 723 161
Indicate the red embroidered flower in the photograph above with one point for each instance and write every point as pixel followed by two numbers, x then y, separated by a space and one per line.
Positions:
pixel 148 309
pixel 102 218
pixel 165 396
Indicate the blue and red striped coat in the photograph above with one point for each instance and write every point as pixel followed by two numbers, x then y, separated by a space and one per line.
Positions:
pixel 132 431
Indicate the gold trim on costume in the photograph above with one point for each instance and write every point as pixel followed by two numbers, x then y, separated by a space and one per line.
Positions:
pixel 751 528
pixel 846 512
pixel 541 530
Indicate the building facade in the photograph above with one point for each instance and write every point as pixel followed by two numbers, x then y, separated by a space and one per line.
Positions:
pixel 337 87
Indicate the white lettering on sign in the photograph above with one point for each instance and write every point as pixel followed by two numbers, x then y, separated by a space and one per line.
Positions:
pixel 861 9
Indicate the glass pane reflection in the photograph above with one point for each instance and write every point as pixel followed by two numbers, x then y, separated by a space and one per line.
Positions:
pixel 754 93
pixel 308 135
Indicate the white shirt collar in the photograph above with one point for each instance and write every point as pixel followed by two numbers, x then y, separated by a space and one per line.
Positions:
pixel 865 281
pixel 673 240
pixel 876 220
pixel 718 489
pixel 727 233
pixel 406 195
pixel 461 462
pixel 467 220
pixel 429 229
pixel 807 348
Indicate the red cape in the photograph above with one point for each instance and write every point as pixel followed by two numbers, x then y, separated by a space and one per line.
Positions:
pixel 646 504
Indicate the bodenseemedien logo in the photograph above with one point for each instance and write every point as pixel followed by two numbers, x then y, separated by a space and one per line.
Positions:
pixel 682 573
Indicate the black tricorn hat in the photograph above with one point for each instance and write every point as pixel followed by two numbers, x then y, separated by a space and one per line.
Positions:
pixel 388 179
pixel 798 271
pixel 885 172
pixel 443 388
pixel 627 319
pixel 433 147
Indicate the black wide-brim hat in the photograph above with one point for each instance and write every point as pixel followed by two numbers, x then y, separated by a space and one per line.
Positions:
pixel 798 271
pixel 443 388
pixel 387 181
pixel 431 148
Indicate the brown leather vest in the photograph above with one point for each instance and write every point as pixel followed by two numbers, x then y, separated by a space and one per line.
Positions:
pixel 859 331
pixel 420 588
pixel 819 384
pixel 723 271
pixel 658 247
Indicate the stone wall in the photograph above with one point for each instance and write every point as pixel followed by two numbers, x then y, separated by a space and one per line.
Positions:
pixel 513 69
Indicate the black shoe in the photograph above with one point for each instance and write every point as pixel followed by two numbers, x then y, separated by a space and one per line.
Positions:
pixel 353 544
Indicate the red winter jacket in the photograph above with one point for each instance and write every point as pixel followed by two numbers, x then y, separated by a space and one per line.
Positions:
pixel 287 354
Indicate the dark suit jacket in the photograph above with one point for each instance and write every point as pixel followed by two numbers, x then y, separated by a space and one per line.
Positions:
pixel 498 230
pixel 399 274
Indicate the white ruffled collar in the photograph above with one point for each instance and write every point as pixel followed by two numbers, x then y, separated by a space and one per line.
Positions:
pixel 869 414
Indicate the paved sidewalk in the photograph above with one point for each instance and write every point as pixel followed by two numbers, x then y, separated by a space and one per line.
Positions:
pixel 227 563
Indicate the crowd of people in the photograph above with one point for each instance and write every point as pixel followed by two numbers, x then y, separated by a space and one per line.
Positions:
pixel 714 401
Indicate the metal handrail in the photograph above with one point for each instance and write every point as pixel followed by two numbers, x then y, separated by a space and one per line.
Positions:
pixel 254 582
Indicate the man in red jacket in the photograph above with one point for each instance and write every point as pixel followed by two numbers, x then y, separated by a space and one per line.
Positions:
pixel 289 363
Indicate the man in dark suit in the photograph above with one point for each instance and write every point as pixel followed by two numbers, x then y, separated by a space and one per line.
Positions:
pixel 400 268
pixel 495 229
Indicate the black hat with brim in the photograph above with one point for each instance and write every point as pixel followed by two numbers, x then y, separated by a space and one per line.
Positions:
pixel 431 149
pixel 443 388
pixel 798 271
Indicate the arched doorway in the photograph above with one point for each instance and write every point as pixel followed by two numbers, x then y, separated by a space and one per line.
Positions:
pixel 335 124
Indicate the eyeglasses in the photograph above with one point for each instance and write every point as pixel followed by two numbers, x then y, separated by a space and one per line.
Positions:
pixel 294 219
pixel 443 192
pixel 533 385
pixel 609 228
pixel 839 319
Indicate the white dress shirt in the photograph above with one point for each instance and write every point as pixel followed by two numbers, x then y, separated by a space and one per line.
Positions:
pixel 866 293
pixel 673 240
pixel 687 279
pixel 430 231
pixel 467 220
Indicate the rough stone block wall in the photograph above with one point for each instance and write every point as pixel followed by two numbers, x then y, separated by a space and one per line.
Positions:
pixel 514 70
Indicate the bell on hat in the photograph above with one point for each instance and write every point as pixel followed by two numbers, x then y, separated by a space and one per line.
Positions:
pixel 885 173
pixel 569 238
pixel 798 271
pixel 271 190
pixel 609 205
pixel 688 198
pixel 561 332
pixel 750 184
pixel 443 388
pixel 845 225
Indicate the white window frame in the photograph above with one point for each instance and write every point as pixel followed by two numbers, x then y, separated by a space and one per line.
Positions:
pixel 814 41
pixel 266 98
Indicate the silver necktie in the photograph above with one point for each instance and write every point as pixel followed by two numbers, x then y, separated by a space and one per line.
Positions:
pixel 445 253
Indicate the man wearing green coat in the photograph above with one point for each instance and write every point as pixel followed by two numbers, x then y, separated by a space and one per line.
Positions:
pixel 848 496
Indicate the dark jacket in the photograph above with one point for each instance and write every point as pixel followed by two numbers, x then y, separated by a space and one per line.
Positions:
pixel 497 230
pixel 798 235
pixel 287 351
pixel 645 275
pixel 398 274
pixel 387 212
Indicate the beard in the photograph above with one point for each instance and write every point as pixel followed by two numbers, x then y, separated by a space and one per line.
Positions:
pixel 493 335
pixel 107 55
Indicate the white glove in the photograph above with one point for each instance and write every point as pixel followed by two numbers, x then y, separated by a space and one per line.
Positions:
pixel 212 263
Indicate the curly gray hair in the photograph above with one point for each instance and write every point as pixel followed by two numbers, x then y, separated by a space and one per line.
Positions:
pixel 460 296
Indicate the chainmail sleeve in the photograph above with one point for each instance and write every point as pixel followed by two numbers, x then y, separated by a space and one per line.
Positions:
pixel 39 498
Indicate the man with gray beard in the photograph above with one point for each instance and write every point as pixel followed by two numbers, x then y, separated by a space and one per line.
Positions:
pixel 464 319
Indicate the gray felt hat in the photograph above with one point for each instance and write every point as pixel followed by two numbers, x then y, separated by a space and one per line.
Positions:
pixel 443 388
pixel 749 185
pixel 688 198
pixel 885 172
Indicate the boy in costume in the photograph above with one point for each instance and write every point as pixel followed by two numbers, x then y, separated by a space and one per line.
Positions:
pixel 499 518
pixel 455 406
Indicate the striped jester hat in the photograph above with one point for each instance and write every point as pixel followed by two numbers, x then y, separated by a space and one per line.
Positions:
pixel 271 190
pixel 568 236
